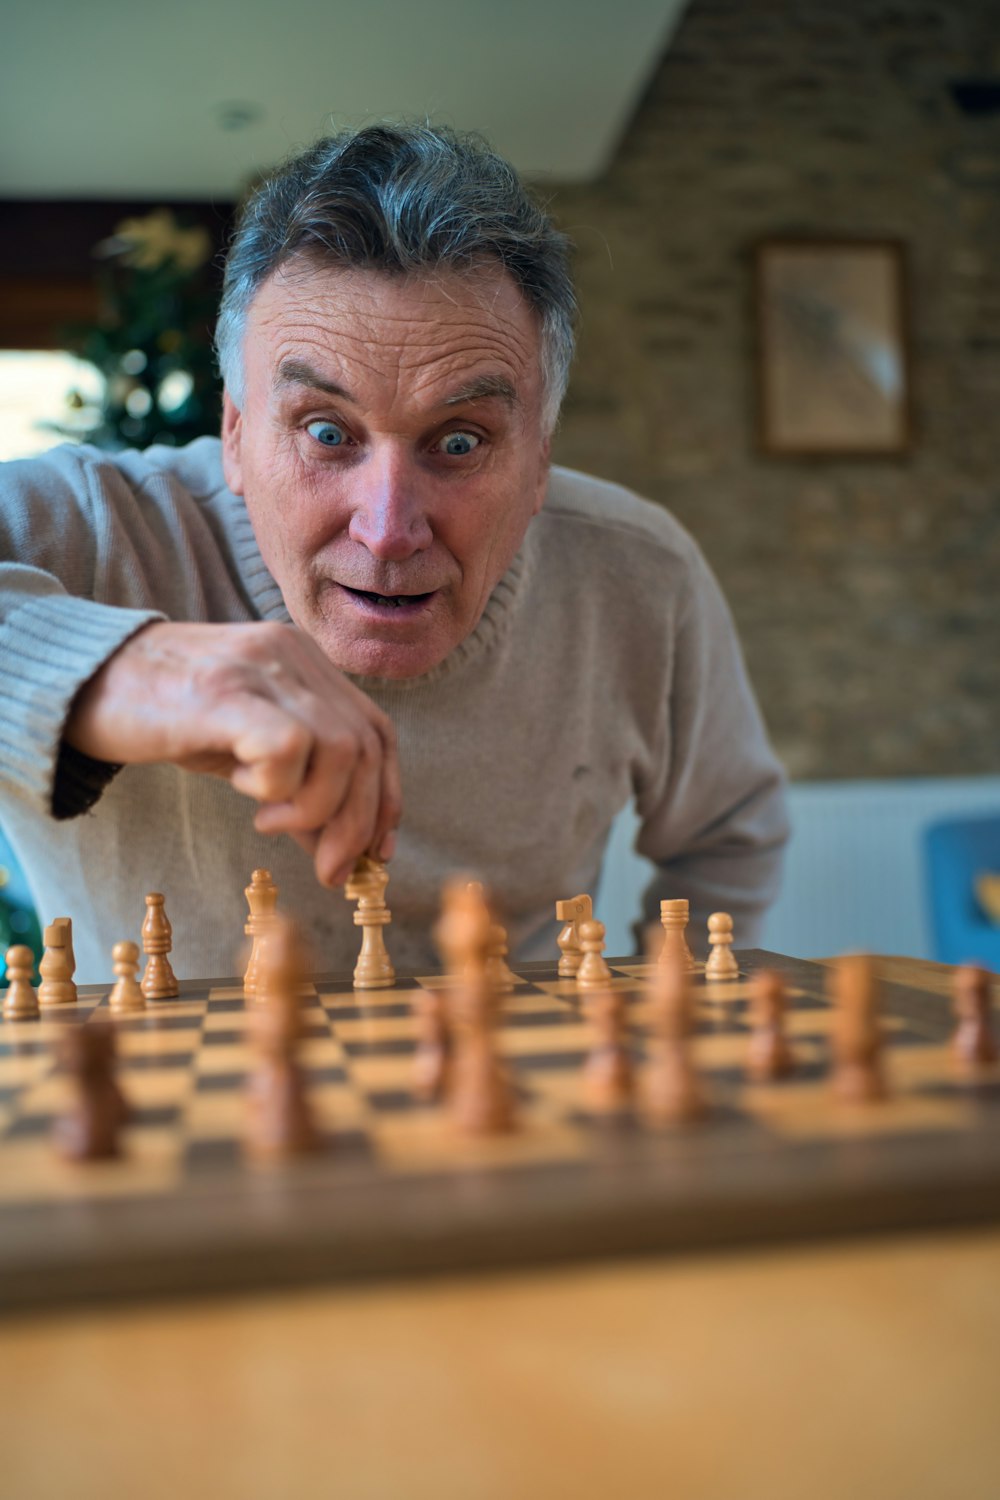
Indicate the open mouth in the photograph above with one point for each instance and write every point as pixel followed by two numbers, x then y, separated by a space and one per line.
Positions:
pixel 388 601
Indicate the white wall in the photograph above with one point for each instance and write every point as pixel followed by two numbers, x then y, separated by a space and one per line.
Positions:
pixel 854 874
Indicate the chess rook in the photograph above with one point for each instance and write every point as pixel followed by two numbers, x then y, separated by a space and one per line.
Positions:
pixel 374 970
pixel 159 981
pixel 58 965
pixel 674 916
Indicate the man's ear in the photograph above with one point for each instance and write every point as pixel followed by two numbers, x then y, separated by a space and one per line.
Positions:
pixel 232 443
pixel 544 456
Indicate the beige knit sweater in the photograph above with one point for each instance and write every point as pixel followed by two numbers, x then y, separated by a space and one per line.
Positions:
pixel 605 668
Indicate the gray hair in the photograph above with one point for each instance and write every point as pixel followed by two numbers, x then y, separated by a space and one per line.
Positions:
pixel 401 198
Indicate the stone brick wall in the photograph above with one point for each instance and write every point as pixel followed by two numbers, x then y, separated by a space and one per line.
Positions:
pixel 867 593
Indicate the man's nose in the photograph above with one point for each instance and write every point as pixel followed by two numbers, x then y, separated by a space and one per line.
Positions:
pixel 388 509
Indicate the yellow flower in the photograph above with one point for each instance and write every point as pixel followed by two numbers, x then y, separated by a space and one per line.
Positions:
pixel 150 242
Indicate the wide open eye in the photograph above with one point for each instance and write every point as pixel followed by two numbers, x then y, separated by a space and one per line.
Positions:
pixel 327 433
pixel 458 444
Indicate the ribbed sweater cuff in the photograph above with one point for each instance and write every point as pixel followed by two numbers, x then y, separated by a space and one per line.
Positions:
pixel 49 648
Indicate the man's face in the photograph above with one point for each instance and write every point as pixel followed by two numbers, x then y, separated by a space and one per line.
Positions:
pixel 391 453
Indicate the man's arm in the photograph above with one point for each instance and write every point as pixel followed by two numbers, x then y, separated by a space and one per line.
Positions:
pixel 714 819
pixel 92 677
pixel 261 706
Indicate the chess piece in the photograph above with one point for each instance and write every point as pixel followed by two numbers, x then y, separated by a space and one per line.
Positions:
pixel 572 913
pixel 974 1042
pixel 721 963
pixel 593 972
pixel 497 969
pixel 280 1123
pixel 262 898
pixel 769 1056
pixel 674 917
pixel 366 886
pixel 479 1094
pixel 58 965
pixel 159 981
pixel 858 1076
pixel 20 1002
pixel 608 1076
pixel 672 1092
pixel 462 931
pixel 89 1128
pixel 432 1061
pixel 126 994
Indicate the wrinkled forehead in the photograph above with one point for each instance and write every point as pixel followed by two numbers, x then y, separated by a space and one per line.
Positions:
pixel 476 316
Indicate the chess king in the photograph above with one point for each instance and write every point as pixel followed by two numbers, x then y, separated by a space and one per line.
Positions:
pixel 371 617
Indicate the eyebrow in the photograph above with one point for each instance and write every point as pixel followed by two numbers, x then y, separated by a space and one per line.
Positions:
pixel 483 388
pixel 299 372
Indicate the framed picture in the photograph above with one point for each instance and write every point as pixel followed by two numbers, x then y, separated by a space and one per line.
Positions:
pixel 833 377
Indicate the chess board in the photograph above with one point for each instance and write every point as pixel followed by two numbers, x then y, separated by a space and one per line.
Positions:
pixel 398 1192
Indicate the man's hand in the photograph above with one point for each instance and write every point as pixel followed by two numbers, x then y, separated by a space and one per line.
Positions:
pixel 263 707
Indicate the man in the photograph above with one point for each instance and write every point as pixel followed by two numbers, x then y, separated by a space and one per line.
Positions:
pixel 372 606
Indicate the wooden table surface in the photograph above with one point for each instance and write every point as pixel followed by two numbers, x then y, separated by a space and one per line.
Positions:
pixel 869 1368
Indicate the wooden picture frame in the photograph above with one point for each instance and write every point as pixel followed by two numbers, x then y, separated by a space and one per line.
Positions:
pixel 833 349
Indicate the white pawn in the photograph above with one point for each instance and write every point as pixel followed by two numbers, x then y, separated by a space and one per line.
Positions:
pixel 127 992
pixel 721 963
pixel 593 972
pixel 20 1002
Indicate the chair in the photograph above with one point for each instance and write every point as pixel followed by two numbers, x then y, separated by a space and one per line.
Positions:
pixel 958 850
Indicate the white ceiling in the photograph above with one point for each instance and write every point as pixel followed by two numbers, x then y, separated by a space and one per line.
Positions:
pixel 124 98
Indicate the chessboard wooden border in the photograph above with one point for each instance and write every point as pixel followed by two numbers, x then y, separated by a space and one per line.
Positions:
pixel 636 1194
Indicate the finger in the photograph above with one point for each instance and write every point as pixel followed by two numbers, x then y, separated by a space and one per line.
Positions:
pixel 390 808
pixel 272 749
pixel 350 832
pixel 330 774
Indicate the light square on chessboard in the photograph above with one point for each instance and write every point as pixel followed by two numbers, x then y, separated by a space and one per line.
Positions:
pixel 372 1028
pixel 373 1001
pixel 935 1068
pixel 571 1036
pixel 233 991
pixel 222 1114
pixel 34 1172
pixel 171 1012
pixel 149 1089
pixel 23 1068
pixel 426 1140
pixel 382 1074
pixel 810 1111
